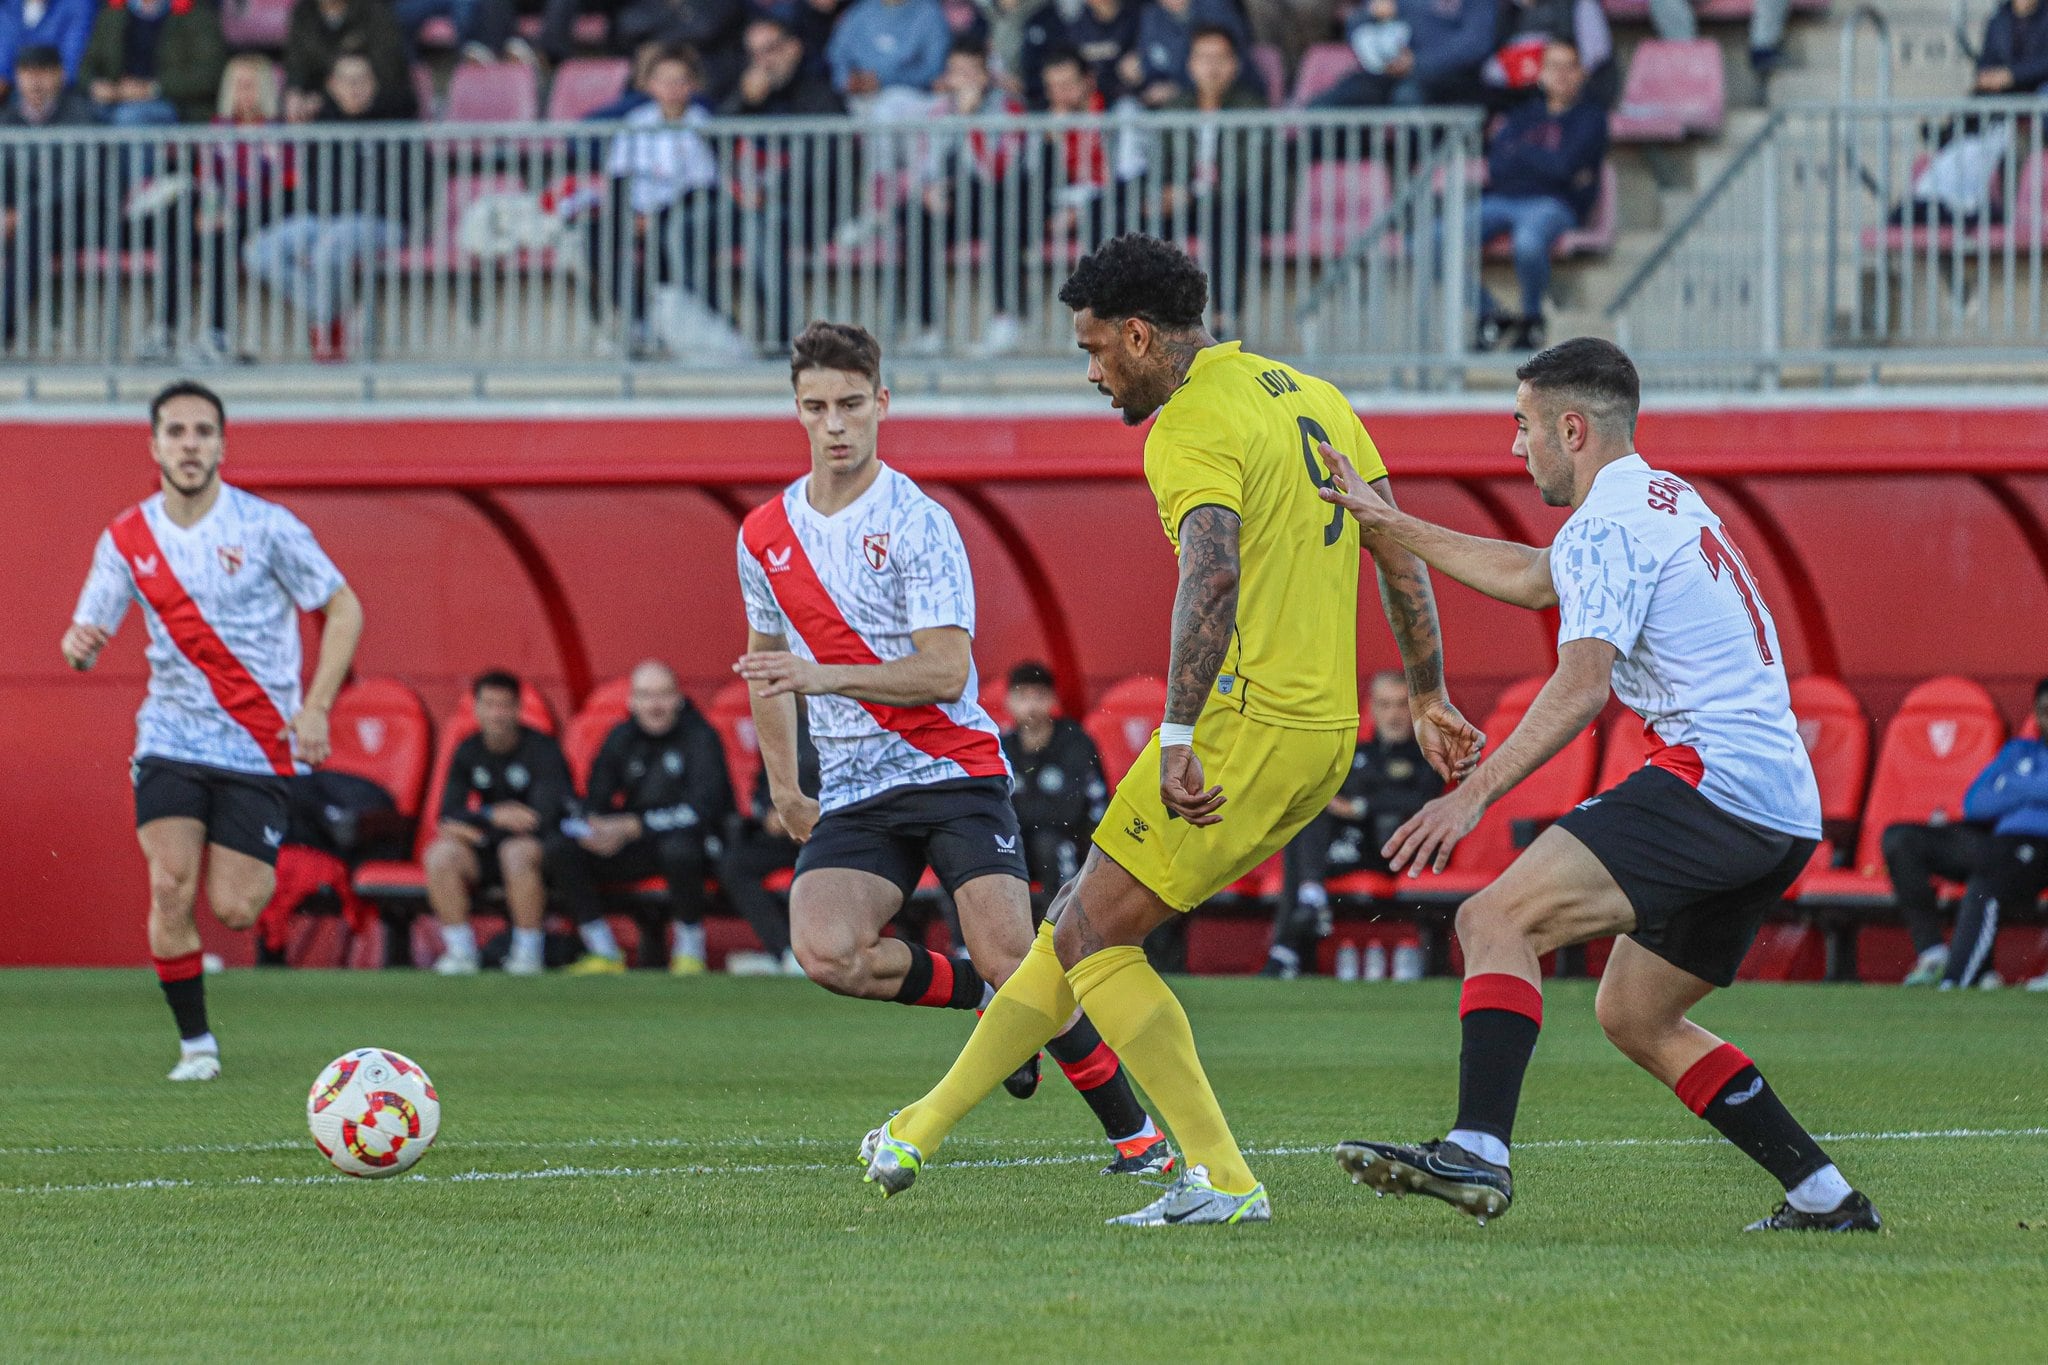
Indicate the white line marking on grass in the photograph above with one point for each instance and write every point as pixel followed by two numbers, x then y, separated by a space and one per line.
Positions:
pixel 978 1163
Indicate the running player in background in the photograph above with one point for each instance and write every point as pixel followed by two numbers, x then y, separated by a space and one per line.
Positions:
pixel 859 596
pixel 1262 701
pixel 221 576
pixel 1684 857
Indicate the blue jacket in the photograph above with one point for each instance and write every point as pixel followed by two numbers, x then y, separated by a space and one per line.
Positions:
pixel 1559 155
pixel 1449 36
pixel 1163 41
pixel 2011 794
pixel 903 44
pixel 2019 45
pixel 66 26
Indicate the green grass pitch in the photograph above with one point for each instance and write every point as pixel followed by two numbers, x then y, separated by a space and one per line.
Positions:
pixel 645 1168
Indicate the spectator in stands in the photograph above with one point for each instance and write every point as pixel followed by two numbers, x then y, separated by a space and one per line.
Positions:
pixel 508 787
pixel 635 94
pixel 32 189
pixel 971 190
pixel 1104 35
pixel 1020 34
pixel 2014 57
pixel 1543 176
pixel 1206 180
pixel 1674 19
pixel 1059 791
pixel 661 204
pixel 484 29
pixel 351 203
pixel 1167 30
pixel 759 846
pixel 320 32
pixel 658 801
pixel 773 81
pixel 714 28
pixel 1090 188
pixel 63 26
pixel 1999 852
pixel 1530 25
pixel 883 45
pixel 1417 52
pixel 1388 783
pixel 155 61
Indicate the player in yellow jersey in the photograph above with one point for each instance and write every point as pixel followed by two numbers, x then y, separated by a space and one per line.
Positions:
pixel 1262 702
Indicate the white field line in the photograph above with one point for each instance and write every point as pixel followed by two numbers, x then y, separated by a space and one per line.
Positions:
pixel 794 1167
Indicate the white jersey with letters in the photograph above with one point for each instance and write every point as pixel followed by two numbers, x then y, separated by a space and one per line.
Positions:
pixel 1645 565
pixel 849 589
pixel 221 600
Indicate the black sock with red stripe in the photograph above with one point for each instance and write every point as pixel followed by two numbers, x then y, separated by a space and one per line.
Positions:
pixel 940 982
pixel 1501 1016
pixel 1725 1088
pixel 1097 1073
pixel 184 982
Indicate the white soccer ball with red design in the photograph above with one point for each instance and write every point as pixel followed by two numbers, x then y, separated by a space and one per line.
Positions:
pixel 373 1113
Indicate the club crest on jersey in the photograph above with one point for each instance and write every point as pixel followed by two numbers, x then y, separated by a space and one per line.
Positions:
pixel 145 566
pixel 876 548
pixel 778 560
pixel 231 558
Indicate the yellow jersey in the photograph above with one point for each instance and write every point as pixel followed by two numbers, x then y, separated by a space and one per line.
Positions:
pixel 1241 433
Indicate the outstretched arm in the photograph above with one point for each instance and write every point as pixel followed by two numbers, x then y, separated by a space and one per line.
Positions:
pixel 1516 574
pixel 1449 741
pixel 1204 620
pixel 1567 704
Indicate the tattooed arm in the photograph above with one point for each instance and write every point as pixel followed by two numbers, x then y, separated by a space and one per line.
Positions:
pixel 1449 741
pixel 1204 620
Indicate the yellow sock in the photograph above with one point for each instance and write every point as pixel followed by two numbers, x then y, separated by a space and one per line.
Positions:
pixel 1139 1017
pixel 1033 1005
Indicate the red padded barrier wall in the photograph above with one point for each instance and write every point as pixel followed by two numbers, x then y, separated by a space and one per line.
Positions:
pixel 1918 566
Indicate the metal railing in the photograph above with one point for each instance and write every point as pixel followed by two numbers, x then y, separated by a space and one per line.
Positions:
pixel 1867 238
pixel 603 248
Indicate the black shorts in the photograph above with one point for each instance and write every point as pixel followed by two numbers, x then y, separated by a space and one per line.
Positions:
pixel 1700 879
pixel 961 830
pixel 247 812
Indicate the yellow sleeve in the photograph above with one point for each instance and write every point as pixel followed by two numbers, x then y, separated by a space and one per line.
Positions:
pixel 1356 443
pixel 1191 461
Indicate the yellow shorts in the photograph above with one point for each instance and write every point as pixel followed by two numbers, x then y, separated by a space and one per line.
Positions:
pixel 1276 780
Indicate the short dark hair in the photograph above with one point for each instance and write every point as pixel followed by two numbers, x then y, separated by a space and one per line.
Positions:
pixel 39 57
pixel 186 388
pixel 1596 373
pixel 678 52
pixel 837 346
pixel 1031 673
pixel 496 677
pixel 1201 31
pixel 1135 276
pixel 969 44
pixel 1064 56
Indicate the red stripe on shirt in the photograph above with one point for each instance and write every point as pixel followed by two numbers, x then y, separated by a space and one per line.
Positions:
pixel 1682 761
pixel 238 693
pixel 813 614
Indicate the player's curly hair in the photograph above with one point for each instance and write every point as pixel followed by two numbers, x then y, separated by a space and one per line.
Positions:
pixel 1135 276
pixel 836 346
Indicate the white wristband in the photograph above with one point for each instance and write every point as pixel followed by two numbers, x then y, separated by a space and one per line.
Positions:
pixel 1171 734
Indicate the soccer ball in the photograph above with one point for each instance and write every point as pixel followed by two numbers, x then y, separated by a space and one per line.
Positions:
pixel 373 1113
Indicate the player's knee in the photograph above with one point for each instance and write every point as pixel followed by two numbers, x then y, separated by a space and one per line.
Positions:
pixel 172 890
pixel 1483 916
pixel 835 966
pixel 238 907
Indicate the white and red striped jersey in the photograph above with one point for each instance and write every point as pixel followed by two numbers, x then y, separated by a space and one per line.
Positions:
pixel 221 600
pixel 849 589
pixel 1645 565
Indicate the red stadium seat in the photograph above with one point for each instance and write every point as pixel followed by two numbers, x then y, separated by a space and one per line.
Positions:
pixel 379 731
pixel 732 715
pixel 503 92
pixel 1945 732
pixel 1123 721
pixel 1837 738
pixel 1271 67
pixel 1323 67
pixel 586 83
pixel 602 710
pixel 588 30
pixel 1332 206
pixel 255 23
pixel 1674 90
pixel 1543 795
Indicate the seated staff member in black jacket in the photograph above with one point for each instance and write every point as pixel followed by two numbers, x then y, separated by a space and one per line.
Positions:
pixel 1060 793
pixel 1389 781
pixel 659 796
pixel 760 846
pixel 508 787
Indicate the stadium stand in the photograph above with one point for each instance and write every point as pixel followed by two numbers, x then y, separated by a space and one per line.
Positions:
pixel 582 84
pixel 501 92
pixel 380 731
pixel 1123 721
pixel 1675 90
pixel 603 709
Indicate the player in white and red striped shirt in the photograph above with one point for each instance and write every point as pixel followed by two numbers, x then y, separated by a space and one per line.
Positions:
pixel 221 576
pixel 859 597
